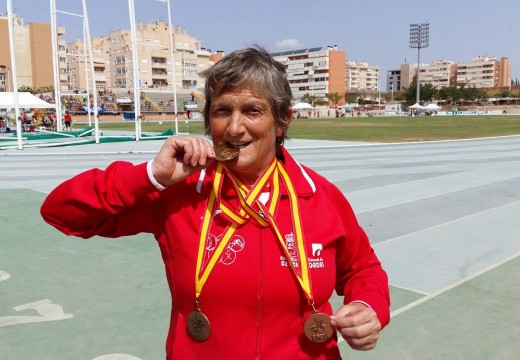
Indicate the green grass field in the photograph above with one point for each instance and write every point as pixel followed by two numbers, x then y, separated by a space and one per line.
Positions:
pixel 369 129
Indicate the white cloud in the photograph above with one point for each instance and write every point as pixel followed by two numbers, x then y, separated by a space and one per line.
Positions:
pixel 288 44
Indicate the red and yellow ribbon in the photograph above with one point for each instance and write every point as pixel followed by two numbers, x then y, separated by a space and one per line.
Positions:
pixel 248 199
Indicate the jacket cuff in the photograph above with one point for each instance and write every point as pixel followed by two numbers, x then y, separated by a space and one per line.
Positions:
pixel 152 178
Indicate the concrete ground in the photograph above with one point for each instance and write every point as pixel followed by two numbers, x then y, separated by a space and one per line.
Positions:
pixel 442 216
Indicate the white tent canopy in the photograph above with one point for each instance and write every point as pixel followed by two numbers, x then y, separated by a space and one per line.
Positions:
pixel 26 100
pixel 302 106
pixel 432 107
pixel 417 106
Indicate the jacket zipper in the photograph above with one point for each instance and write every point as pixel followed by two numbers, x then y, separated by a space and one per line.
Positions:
pixel 260 293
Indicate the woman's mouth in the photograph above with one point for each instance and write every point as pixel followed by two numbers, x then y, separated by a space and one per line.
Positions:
pixel 239 144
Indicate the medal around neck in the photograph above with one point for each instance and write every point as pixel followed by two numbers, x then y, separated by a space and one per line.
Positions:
pixel 224 152
pixel 317 327
pixel 198 326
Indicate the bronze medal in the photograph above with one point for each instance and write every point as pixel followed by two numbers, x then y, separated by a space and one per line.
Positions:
pixel 198 326
pixel 317 327
pixel 225 153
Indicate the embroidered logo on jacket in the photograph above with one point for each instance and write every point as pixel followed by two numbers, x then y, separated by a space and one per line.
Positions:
pixel 229 255
pixel 315 260
pixel 290 243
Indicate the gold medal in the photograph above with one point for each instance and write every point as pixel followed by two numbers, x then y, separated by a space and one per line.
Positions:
pixel 198 326
pixel 225 153
pixel 317 327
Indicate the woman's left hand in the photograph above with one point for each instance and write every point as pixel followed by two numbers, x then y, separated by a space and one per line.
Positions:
pixel 358 324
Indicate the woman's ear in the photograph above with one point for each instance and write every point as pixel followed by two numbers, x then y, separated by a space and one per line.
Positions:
pixel 282 128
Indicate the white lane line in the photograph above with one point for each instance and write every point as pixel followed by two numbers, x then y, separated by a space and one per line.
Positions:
pixel 452 286
pixel 445 223
pixel 411 290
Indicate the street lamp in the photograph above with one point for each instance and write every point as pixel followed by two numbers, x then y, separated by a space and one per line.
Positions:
pixel 419 38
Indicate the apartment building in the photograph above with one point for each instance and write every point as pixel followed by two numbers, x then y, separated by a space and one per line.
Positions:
pixel 315 71
pixel 79 69
pixel 441 73
pixel 361 77
pixel 485 71
pixel 112 57
pixel 33 54
pixel 480 72
pixel 408 73
pixel 393 80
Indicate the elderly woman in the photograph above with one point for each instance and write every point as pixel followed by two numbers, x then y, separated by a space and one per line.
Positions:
pixel 254 244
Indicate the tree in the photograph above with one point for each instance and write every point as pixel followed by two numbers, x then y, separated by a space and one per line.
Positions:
pixel 427 93
pixel 334 97
pixel 450 94
pixel 45 89
pixel 351 97
pixel 25 88
pixel 311 99
pixel 468 94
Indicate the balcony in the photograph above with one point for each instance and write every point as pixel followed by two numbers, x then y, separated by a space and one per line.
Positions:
pixel 159 65
pixel 159 76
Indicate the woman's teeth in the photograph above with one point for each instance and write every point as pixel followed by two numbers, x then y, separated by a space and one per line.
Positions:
pixel 240 145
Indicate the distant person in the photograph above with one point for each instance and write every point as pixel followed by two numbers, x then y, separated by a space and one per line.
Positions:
pixel 67 119
pixel 26 121
pixel 254 244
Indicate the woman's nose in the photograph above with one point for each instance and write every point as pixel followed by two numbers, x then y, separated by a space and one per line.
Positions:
pixel 235 124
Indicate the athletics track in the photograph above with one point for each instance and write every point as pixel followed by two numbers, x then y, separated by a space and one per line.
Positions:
pixel 444 218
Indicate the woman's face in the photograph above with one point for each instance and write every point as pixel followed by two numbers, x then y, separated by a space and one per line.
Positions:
pixel 243 118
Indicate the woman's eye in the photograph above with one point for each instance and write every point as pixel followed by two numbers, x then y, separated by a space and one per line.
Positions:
pixel 254 111
pixel 220 111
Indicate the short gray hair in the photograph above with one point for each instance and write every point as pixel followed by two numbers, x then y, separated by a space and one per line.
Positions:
pixel 255 68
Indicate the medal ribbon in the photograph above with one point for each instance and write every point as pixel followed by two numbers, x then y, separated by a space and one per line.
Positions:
pixel 266 218
pixel 301 271
pixel 203 271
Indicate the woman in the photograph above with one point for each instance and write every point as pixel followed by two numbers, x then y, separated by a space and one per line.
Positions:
pixel 254 244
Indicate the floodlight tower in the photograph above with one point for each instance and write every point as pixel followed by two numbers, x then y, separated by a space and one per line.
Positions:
pixel 419 38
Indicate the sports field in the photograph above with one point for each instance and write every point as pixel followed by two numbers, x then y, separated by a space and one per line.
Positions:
pixel 385 129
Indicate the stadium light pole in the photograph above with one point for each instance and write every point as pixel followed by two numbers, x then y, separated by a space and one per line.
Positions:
pixel 172 52
pixel 419 38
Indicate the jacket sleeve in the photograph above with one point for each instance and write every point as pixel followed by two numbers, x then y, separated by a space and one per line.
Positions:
pixel 115 202
pixel 360 276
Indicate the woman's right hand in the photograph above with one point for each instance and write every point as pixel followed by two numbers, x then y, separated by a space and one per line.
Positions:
pixel 181 156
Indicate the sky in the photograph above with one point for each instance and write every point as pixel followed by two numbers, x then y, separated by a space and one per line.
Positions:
pixel 376 31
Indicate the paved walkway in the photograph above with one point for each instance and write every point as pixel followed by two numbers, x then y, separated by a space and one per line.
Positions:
pixel 443 218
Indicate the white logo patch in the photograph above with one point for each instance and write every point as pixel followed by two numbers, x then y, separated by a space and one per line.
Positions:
pixel 316 249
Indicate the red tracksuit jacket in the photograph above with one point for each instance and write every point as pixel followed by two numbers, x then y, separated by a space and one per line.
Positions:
pixel 252 299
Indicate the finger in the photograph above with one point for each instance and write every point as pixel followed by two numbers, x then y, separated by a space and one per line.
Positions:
pixel 191 152
pixel 357 341
pixel 350 315
pixel 206 152
pixel 197 152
